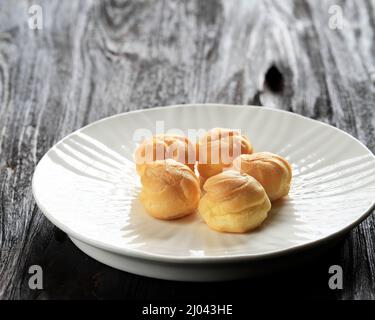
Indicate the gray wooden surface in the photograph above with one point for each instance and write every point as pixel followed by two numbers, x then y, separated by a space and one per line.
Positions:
pixel 93 59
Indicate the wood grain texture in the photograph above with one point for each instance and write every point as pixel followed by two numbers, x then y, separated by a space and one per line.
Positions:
pixel 93 59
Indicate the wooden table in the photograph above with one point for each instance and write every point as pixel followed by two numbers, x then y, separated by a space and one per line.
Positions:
pixel 93 59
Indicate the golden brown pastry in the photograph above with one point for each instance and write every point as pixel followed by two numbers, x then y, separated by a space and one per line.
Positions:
pixel 271 170
pixel 161 147
pixel 170 189
pixel 233 202
pixel 217 149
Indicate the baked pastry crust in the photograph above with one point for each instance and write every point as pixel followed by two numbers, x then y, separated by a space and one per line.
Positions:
pixel 233 202
pixel 271 170
pixel 217 149
pixel 170 189
pixel 161 147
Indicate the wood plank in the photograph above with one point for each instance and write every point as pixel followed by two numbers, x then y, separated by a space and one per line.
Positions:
pixel 98 58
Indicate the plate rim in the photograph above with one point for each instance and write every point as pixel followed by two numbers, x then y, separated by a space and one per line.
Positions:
pixel 141 254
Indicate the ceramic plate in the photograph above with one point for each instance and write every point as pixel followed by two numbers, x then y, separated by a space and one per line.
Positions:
pixel 88 187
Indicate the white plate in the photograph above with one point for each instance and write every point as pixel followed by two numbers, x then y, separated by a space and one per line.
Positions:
pixel 87 186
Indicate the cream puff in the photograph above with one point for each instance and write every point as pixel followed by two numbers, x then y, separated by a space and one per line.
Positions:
pixel 233 202
pixel 272 171
pixel 161 147
pixel 217 149
pixel 170 189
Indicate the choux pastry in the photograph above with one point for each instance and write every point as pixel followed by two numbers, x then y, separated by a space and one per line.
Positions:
pixel 272 171
pixel 233 202
pixel 217 149
pixel 170 189
pixel 161 147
